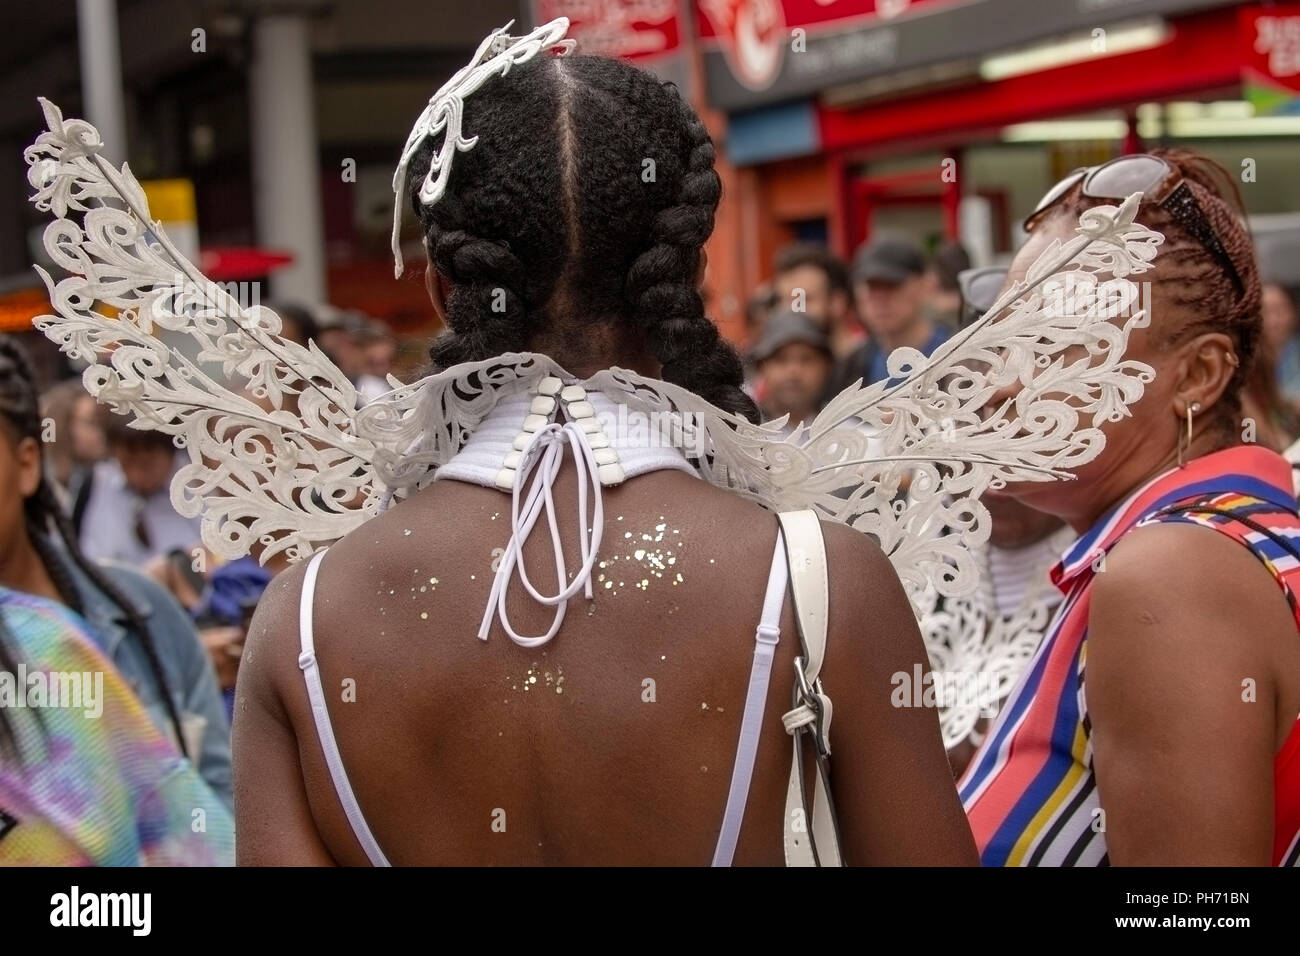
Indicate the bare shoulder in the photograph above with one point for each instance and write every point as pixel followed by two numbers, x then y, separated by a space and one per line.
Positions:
pixel 866 590
pixel 272 644
pixel 1175 596
pixel 1180 572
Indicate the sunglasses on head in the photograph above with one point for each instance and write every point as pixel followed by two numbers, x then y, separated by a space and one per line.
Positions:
pixel 1160 183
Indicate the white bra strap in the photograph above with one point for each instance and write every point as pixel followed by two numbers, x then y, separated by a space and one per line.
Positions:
pixel 751 725
pixel 316 694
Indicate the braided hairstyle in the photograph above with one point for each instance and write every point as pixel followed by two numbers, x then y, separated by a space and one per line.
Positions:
pixel 578 218
pixel 20 411
pixel 1195 281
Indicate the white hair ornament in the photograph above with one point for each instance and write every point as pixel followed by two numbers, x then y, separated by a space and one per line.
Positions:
pixel 445 113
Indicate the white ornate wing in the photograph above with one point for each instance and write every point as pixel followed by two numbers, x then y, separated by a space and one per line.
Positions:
pixel 907 462
pixel 977 652
pixel 274 464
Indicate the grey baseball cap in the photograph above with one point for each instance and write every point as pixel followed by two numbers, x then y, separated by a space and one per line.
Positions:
pixel 888 259
pixel 787 328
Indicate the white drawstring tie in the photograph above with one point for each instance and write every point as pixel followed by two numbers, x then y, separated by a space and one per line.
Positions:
pixel 552 440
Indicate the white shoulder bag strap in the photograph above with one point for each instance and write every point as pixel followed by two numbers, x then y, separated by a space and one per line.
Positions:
pixel 811 839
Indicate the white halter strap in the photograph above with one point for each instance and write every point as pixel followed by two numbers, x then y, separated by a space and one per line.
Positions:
pixel 552 439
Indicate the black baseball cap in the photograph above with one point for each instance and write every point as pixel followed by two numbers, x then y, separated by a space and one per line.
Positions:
pixel 787 328
pixel 888 259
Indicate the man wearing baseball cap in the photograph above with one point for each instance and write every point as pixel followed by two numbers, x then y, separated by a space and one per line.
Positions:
pixel 794 361
pixel 889 287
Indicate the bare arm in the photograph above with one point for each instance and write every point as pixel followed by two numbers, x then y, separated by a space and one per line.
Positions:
pixel 893 786
pixel 1179 619
pixel 274 824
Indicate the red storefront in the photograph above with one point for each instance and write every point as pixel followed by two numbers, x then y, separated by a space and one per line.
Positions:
pixel 886 136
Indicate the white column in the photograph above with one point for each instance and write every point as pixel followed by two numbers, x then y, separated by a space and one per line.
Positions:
pixel 101 74
pixel 286 177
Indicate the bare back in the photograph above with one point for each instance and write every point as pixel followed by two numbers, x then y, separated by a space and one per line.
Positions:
pixel 611 744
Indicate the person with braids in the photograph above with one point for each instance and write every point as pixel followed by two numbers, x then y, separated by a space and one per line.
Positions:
pixel 1157 722
pixel 132 620
pixel 381 731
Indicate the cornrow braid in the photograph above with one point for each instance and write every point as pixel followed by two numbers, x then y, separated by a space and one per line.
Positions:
pixel 486 310
pixel 19 406
pixel 668 306
pixel 581 211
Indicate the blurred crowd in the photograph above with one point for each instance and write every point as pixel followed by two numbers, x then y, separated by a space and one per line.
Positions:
pixel 89 527
pixel 820 324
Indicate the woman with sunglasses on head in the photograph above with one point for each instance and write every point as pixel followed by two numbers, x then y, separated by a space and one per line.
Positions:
pixel 1157 723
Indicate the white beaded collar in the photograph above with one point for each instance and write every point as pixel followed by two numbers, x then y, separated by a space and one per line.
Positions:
pixel 622 445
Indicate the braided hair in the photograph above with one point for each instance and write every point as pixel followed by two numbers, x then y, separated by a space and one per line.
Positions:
pixel 20 411
pixel 1193 278
pixel 579 217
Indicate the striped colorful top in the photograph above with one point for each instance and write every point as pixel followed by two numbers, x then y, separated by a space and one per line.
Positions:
pixel 1030 792
pixel 98 784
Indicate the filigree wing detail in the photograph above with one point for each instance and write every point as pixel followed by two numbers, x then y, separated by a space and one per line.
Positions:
pixel 1020 395
pixel 907 462
pixel 416 428
pixel 274 463
pixel 977 653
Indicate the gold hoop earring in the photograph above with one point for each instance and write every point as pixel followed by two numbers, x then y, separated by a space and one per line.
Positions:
pixel 1192 409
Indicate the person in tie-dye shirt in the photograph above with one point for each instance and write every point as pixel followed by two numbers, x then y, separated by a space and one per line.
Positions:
pixel 95 783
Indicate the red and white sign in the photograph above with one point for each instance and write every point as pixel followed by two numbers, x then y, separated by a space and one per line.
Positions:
pixel 636 30
pixel 1272 35
pixel 753 37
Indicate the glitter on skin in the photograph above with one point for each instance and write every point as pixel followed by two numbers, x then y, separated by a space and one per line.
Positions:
pixel 651 560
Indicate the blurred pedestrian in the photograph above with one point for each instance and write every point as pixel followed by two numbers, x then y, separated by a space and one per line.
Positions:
pixel 811 280
pixel 1278 309
pixel 338 335
pixel 794 361
pixel 78 441
pixel 297 324
pixel 943 298
pixel 125 507
pixel 132 620
pixel 378 350
pixel 889 286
